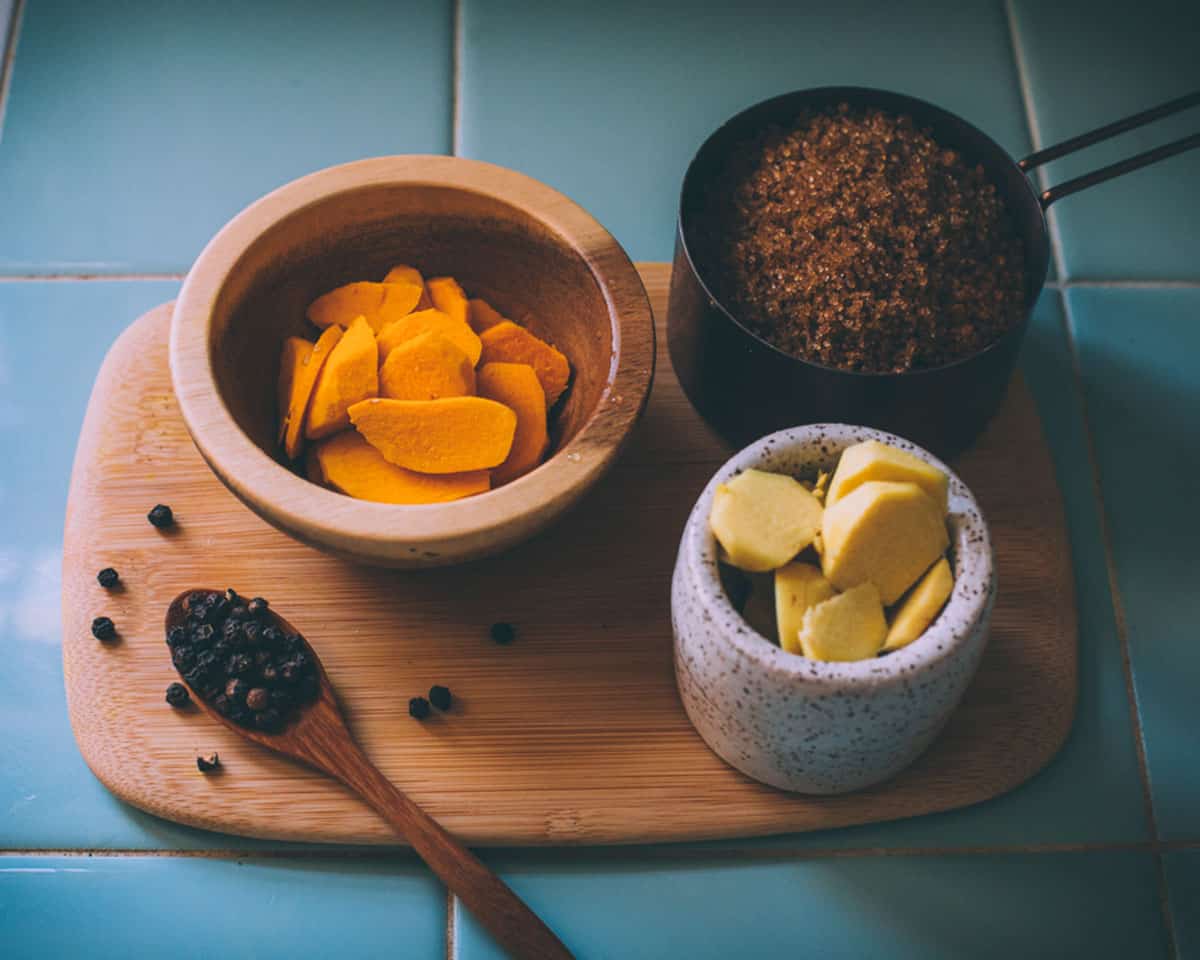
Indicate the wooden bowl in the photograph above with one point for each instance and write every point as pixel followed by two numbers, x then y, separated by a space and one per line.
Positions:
pixel 532 253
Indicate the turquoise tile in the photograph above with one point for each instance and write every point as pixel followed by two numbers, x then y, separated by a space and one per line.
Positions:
pixel 53 336
pixel 1183 886
pixel 608 102
pixel 120 907
pixel 1096 905
pixel 1089 64
pixel 136 129
pixel 1138 351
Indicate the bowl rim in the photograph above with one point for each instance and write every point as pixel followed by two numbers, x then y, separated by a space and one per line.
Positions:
pixel 888 99
pixel 974 569
pixel 313 513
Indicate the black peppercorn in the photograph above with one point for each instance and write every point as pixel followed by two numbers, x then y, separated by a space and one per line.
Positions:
pixel 161 516
pixel 103 629
pixel 503 633
pixel 177 695
pixel 269 672
pixel 183 657
pixel 440 697
pixel 239 664
pixel 176 636
pixel 108 578
pixel 290 672
pixel 258 699
pixel 293 642
pixel 207 763
pixel 269 720
pixel 232 596
pixel 236 689
pixel 418 708
pixel 250 632
pixel 257 606
pixel 231 630
pixel 271 637
pixel 238 612
pixel 202 635
pixel 223 705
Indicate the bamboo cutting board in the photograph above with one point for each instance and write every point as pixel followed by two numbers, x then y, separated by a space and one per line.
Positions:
pixel 574 733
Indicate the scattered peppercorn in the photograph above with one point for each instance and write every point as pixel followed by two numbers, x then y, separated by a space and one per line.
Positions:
pixel 161 516
pixel 418 708
pixel 207 763
pixel 440 697
pixel 108 578
pixel 103 629
pixel 503 633
pixel 177 695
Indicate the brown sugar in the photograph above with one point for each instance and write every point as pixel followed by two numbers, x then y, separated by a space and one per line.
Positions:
pixel 851 238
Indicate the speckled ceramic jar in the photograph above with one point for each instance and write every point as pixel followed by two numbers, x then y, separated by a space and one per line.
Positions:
pixel 807 725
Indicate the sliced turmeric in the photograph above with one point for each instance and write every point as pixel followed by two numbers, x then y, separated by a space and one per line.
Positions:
pixel 426 367
pixel 517 387
pixel 481 315
pixel 430 321
pixel 448 297
pixel 380 303
pixel 352 466
pixel 508 343
pixel 292 360
pixel 451 435
pixel 302 389
pixel 350 374
pixel 402 273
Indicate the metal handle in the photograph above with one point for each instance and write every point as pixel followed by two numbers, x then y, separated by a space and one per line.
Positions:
pixel 1105 133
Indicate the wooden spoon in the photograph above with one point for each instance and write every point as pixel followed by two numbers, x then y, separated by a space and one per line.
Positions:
pixel 317 735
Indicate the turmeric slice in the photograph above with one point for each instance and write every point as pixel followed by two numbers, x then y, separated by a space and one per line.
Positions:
pixel 302 389
pixel 517 387
pixel 508 343
pixel 482 316
pixel 425 368
pixel 402 273
pixel 352 466
pixel 292 360
pixel 451 435
pixel 380 303
pixel 429 321
pixel 448 297
pixel 351 374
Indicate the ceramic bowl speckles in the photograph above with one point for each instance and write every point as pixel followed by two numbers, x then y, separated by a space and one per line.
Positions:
pixel 806 725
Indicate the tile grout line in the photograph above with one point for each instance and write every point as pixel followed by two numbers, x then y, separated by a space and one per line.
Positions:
pixel 8 57
pixel 77 277
pixel 456 52
pixel 451 926
pixel 1122 625
pixel 1035 134
pixel 551 856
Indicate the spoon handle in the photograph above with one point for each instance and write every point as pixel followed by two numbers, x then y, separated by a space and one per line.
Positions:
pixel 513 925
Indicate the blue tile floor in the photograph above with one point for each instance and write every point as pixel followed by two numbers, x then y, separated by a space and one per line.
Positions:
pixel 129 132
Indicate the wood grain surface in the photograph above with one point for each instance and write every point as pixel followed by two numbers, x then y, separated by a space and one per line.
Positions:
pixel 573 733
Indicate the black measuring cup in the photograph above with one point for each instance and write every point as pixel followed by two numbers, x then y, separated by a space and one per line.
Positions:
pixel 744 387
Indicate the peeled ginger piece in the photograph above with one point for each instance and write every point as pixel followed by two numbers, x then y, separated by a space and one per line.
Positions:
pixel 921 607
pixel 872 460
pixel 762 520
pixel 303 380
pixel 885 533
pixel 850 626
pixel 352 466
pixel 798 588
pixel 380 303
pixel 451 435
pixel 403 273
pixel 482 316
pixel 292 360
